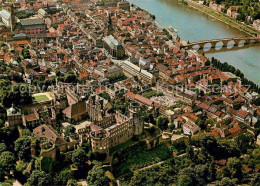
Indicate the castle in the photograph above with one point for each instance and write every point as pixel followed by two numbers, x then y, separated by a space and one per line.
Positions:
pixel 116 129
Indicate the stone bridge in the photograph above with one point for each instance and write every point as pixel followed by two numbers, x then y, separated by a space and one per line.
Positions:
pixel 236 41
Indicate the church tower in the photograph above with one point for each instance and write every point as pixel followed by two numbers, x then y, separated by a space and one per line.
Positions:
pixel 13 19
pixel 138 125
pixel 110 29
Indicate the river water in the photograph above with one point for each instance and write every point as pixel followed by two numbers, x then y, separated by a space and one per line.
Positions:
pixel 193 25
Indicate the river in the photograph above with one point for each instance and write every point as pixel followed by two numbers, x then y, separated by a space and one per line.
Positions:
pixel 193 25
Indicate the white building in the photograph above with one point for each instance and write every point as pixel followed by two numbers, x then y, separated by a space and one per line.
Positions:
pixel 131 70
pixel 190 128
pixel 6 18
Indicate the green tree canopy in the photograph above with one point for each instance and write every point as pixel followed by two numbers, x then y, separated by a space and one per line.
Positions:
pixel 23 148
pixel 162 122
pixel 234 166
pixel 39 178
pixel 79 157
pixel 7 159
pixel 69 130
pixel 96 176
pixel 63 177
pixel 2 147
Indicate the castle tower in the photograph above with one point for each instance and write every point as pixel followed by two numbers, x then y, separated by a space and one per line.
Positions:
pixel 138 125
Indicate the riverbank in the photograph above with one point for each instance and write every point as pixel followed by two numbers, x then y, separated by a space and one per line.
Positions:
pixel 223 18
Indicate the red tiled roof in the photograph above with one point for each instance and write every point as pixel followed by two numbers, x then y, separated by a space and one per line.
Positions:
pixel 242 113
pixel 234 129
pixel 130 95
pixel 143 100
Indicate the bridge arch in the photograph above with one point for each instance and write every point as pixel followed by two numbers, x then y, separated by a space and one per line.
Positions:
pixel 196 47
pixel 207 46
pixel 230 44
pixel 241 43
pixel 252 41
pixel 219 45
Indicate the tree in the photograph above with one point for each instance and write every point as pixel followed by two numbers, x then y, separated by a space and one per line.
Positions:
pixel 234 166
pixel 26 53
pixel 201 172
pixel 2 174
pixel 218 1
pixel 2 123
pixel 72 182
pixel 227 182
pixel 212 171
pixel 7 159
pixel 96 176
pixel 38 178
pixel 106 96
pixel 207 63
pixel 184 180
pixel 18 94
pixel 257 102
pixel 190 152
pixel 26 132
pixel 2 148
pixel 243 142
pixel 190 172
pixel 23 148
pixel 256 157
pixel 70 129
pixel 162 122
pixel 256 180
pixel 21 172
pixel 70 77
pixel 201 123
pixel 79 157
pixel 63 177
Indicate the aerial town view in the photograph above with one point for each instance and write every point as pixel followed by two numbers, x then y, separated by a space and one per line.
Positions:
pixel 137 92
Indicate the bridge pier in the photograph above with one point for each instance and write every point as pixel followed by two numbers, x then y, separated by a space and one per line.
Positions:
pixel 202 46
pixel 247 41
pixel 236 42
pixel 213 44
pixel 225 43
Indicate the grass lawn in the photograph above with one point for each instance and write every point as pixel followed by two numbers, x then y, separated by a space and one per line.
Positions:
pixel 136 158
pixel 41 98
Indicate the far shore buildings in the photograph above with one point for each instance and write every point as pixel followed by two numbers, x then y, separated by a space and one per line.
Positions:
pixel 216 7
pixel 232 12
pixel 256 24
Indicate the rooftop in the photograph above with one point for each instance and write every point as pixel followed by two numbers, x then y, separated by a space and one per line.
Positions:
pixel 5 14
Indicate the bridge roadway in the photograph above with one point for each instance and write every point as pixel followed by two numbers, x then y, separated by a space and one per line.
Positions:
pixel 225 42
